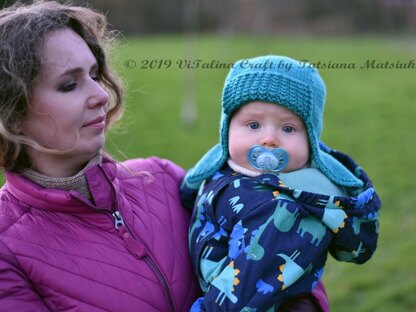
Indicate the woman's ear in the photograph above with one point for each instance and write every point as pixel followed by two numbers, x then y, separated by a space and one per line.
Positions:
pixel 17 128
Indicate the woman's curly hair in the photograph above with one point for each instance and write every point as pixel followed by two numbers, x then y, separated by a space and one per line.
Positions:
pixel 23 28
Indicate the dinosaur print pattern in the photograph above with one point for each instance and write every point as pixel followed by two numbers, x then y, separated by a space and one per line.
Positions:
pixel 255 241
pixel 290 270
pixel 235 205
pixel 282 219
pixel 236 243
pixel 225 283
pixel 350 256
pixel 206 230
pixel 263 287
pixel 357 222
pixel 361 200
pixel 318 275
pixel 314 227
pixel 333 216
pixel 200 215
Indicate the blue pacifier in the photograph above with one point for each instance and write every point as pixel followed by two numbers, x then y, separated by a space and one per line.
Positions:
pixel 263 159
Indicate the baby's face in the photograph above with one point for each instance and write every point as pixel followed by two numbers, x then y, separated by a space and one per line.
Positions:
pixel 269 125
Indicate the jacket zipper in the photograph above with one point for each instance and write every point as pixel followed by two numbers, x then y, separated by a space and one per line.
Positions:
pixel 118 219
pixel 118 223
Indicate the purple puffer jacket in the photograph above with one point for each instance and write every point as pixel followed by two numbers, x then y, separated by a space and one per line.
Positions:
pixel 126 253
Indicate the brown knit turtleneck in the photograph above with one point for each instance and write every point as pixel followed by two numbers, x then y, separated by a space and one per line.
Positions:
pixel 76 182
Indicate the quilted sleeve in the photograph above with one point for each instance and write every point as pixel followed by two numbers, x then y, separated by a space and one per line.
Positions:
pixel 153 165
pixel 16 292
pixel 176 172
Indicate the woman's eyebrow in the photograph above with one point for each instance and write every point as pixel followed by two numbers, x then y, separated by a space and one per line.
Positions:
pixel 71 71
pixel 77 70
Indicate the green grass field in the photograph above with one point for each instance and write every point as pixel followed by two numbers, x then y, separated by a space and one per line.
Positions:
pixel 370 115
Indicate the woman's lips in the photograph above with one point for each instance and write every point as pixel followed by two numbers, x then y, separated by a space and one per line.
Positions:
pixel 98 122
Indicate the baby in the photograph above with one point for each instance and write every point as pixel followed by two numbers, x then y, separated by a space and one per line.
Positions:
pixel 270 200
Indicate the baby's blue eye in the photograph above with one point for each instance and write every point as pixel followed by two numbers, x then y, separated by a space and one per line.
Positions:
pixel 288 129
pixel 254 125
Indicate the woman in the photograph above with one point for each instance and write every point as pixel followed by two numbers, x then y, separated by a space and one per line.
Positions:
pixel 78 231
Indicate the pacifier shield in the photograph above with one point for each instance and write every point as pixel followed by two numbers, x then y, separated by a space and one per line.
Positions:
pixel 263 159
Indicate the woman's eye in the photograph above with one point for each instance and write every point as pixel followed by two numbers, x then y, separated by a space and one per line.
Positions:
pixel 95 77
pixel 288 129
pixel 254 125
pixel 67 87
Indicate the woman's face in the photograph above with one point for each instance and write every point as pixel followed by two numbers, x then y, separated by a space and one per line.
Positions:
pixel 68 106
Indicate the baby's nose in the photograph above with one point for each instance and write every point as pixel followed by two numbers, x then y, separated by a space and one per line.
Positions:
pixel 270 140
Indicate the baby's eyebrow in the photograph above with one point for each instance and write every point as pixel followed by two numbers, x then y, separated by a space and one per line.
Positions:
pixel 254 113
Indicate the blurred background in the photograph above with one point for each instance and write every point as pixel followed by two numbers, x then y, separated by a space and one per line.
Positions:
pixel 173 56
pixel 258 16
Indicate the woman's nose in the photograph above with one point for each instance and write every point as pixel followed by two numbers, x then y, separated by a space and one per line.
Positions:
pixel 98 97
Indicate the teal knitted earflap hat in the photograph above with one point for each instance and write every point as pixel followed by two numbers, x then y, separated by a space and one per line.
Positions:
pixel 283 81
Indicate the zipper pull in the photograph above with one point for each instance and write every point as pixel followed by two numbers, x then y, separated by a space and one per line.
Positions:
pixel 135 246
pixel 118 219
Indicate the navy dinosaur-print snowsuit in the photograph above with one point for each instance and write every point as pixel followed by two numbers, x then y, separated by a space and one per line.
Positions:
pixel 255 242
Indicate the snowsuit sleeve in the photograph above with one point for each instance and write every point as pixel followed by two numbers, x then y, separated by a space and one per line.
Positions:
pixel 356 239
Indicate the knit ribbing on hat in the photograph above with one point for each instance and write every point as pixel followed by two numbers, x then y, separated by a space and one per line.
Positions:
pixel 268 87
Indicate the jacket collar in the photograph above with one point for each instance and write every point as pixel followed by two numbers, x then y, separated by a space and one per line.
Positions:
pixel 100 179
